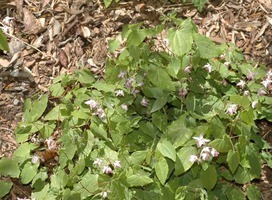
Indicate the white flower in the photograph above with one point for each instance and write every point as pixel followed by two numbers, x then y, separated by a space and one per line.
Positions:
pixel 254 104
pixel 141 84
pixel 214 152
pixel 187 69
pixel 144 102
pixel 35 159
pixel 134 92
pixel 101 114
pixel 104 195
pixel 246 92
pixel 124 106
pixel 119 93
pixel 269 74
pixel 261 92
pixel 107 170
pixel 122 74
pixel 208 67
pixel 232 109
pixel 182 92
pixel 92 103
pixel 205 156
pixel 241 84
pixel 266 82
pixel 98 161
pixel 227 64
pixel 129 82
pixel 51 144
pixel 251 75
pixel 223 56
pixel 193 159
pixel 117 164
pixel 206 150
pixel 200 140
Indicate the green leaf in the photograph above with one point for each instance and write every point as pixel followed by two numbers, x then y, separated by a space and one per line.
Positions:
pixel 183 163
pixel 240 100
pixel 136 37
pixel 162 169
pixel 235 194
pixel 160 78
pixel 158 104
pixel 180 41
pixel 9 168
pixel 102 86
pixel 233 160
pixel 206 47
pixel 113 45
pixel 29 172
pixel 3 42
pixel 87 186
pixel 55 113
pixel 208 177
pixel 167 149
pixel 85 76
pixel 5 188
pixel 56 90
pixel 247 116
pixel 107 3
pixel 253 192
pixel 80 114
pixel 136 180
pixel 222 145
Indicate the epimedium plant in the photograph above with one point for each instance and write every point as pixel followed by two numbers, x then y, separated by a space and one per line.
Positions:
pixel 178 123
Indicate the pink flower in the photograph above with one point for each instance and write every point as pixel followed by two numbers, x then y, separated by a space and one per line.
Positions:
pixel 124 106
pixel 182 92
pixel 107 170
pixel 194 158
pixel 214 152
pixel 117 164
pixel 188 69
pixel 266 82
pixel 129 82
pixel 144 102
pixel 98 161
pixel 232 109
pixel 35 159
pixel 205 156
pixel 241 84
pixel 92 103
pixel 261 92
pixel 122 74
pixel 251 75
pixel 101 114
pixel 200 140
pixel 246 92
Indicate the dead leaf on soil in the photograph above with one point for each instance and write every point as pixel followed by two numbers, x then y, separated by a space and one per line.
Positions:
pixel 32 25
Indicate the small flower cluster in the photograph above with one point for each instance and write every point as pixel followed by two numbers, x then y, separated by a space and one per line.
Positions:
pixel 206 154
pixel 132 85
pixel 107 169
pixel 94 106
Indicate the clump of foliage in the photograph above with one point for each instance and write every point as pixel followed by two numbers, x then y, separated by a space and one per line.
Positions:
pixel 178 124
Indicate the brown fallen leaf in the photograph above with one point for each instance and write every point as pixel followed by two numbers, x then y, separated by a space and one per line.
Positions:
pixel 4 63
pixel 63 59
pixel 32 25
